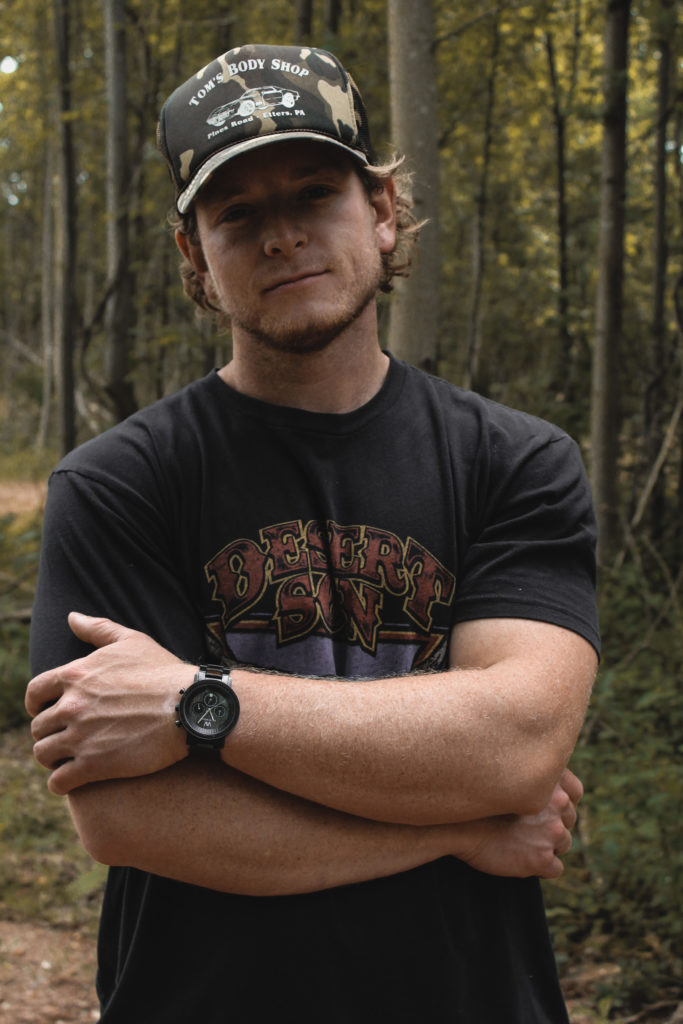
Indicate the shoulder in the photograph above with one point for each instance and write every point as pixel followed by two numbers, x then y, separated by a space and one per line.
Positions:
pixel 489 428
pixel 160 433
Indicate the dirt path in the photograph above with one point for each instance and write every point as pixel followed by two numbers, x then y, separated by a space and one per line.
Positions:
pixel 19 496
pixel 46 976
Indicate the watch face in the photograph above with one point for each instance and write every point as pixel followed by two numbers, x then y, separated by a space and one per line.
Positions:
pixel 209 709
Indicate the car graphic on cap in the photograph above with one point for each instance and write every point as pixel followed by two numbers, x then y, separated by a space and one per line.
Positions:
pixel 253 99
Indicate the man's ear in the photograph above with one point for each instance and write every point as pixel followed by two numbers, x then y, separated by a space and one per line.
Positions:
pixel 194 254
pixel 383 201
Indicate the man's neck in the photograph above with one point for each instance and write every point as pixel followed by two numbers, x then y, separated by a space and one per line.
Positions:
pixel 342 377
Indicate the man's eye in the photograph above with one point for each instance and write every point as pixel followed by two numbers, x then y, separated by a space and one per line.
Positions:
pixel 235 213
pixel 317 191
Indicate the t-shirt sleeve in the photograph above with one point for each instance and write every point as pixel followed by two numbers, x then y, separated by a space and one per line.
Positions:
pixel 106 552
pixel 531 546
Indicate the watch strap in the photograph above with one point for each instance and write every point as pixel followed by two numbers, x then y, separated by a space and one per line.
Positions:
pixel 216 672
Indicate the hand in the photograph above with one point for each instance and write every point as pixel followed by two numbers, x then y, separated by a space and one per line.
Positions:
pixel 111 714
pixel 522 846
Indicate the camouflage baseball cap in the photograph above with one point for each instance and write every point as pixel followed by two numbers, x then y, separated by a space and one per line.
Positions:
pixel 252 96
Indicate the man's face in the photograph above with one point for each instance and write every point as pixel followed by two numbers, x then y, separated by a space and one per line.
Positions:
pixel 291 244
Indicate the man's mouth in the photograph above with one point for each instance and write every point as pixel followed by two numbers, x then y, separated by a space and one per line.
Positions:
pixel 291 280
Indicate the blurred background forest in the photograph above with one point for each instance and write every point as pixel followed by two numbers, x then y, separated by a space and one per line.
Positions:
pixel 547 142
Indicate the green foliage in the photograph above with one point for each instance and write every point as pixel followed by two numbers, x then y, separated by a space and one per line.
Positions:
pixel 14 674
pixel 19 548
pixel 44 874
pixel 620 897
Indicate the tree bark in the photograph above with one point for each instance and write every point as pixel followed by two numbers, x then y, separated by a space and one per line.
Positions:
pixel 118 311
pixel 47 296
pixel 332 15
pixel 656 396
pixel 609 298
pixel 414 317
pixel 66 305
pixel 562 375
pixel 304 21
pixel 473 373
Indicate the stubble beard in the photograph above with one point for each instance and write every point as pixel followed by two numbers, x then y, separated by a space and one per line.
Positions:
pixel 294 337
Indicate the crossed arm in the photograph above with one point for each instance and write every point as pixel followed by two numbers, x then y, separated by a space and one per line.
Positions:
pixel 322 783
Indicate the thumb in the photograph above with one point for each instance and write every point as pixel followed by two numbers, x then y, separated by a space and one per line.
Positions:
pixel 96 631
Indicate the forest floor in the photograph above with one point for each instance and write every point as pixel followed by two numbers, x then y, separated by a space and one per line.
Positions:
pixel 46 975
pixel 49 892
pixel 21 496
pixel 49 898
pixel 46 978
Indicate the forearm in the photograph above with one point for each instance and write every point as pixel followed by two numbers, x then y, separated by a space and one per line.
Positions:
pixel 448 747
pixel 253 840
pixel 208 825
pixel 455 746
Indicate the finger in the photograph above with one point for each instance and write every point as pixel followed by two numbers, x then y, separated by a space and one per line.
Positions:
pixel 71 773
pixel 52 751
pixel 569 814
pixel 571 785
pixel 42 691
pixel 97 631
pixel 563 845
pixel 63 779
pixel 553 869
pixel 45 724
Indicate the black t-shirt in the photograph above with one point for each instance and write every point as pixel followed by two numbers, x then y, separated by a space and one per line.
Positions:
pixel 327 545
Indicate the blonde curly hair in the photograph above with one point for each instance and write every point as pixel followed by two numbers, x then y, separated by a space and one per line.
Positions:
pixel 374 178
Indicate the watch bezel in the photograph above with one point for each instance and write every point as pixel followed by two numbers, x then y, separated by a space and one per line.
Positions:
pixel 208 678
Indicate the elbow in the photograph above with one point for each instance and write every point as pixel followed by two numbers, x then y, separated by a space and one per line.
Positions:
pixel 538 778
pixel 546 744
pixel 99 834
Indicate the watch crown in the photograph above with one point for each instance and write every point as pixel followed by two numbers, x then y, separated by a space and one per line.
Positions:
pixel 179 724
pixel 182 691
pixel 177 707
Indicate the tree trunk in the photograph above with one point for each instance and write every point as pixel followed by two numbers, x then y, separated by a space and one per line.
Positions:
pixel 47 296
pixel 332 15
pixel 656 396
pixel 414 317
pixel 118 312
pixel 473 373
pixel 65 230
pixel 605 384
pixel 562 375
pixel 304 21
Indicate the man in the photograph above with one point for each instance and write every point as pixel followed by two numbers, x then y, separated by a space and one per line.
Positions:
pixel 365 596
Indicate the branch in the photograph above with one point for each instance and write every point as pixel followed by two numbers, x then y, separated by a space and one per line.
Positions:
pixel 667 443
pixel 22 615
pixel 492 13
pixel 669 436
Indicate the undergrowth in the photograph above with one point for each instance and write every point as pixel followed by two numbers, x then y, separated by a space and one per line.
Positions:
pixel 45 875
pixel 618 902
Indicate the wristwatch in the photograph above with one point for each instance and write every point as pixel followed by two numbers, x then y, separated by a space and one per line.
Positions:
pixel 208 709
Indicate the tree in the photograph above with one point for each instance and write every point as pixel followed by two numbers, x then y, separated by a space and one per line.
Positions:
pixel 304 19
pixel 561 106
pixel 609 297
pixel 473 377
pixel 331 17
pixel 66 230
pixel 119 312
pixel 47 297
pixel 414 319
pixel 656 394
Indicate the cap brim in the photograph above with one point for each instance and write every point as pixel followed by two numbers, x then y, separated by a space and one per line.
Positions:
pixel 188 195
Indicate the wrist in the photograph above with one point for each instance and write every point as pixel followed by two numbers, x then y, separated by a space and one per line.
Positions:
pixel 208 709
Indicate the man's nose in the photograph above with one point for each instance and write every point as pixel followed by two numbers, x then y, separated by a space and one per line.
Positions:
pixel 283 235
